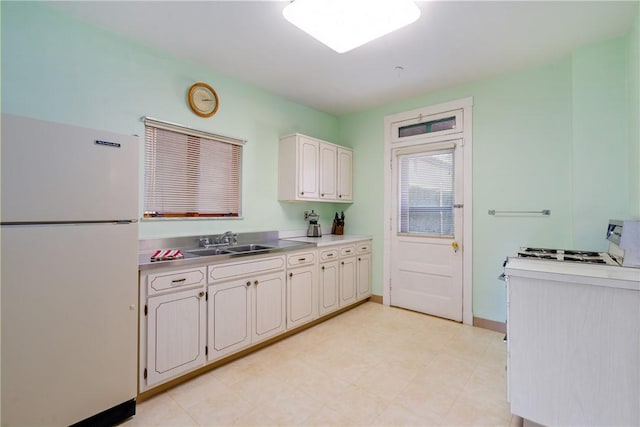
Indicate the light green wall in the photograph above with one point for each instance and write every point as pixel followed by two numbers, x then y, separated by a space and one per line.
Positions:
pixel 633 81
pixel 600 143
pixel 55 67
pixel 535 135
pixel 551 137
pixel 520 129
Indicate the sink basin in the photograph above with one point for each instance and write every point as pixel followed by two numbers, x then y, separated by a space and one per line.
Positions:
pixel 208 251
pixel 247 248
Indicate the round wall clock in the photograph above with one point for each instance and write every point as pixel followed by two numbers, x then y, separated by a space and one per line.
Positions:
pixel 203 100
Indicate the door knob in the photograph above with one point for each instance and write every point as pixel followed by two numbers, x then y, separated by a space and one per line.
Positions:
pixel 455 246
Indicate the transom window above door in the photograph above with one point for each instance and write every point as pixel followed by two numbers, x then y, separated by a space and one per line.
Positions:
pixel 427 126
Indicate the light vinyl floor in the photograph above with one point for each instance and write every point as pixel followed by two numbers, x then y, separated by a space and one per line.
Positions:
pixel 371 366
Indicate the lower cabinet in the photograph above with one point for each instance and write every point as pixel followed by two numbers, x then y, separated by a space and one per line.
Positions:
pixel 347 281
pixel 246 310
pixel 363 270
pixel 197 315
pixel 229 314
pixel 175 317
pixel 301 307
pixel 328 287
pixel 177 334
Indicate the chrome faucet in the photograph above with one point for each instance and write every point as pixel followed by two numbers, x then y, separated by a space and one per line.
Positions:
pixel 227 238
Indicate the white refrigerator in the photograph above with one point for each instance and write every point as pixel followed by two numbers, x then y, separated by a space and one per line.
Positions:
pixel 69 243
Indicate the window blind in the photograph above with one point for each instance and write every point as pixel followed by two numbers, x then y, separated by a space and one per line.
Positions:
pixel 426 193
pixel 190 173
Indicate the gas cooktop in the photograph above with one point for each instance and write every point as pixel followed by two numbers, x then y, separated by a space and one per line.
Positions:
pixel 569 255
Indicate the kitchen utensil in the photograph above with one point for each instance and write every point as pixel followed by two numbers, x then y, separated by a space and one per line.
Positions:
pixel 314 228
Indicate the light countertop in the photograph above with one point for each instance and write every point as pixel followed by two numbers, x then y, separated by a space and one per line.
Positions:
pixel 330 239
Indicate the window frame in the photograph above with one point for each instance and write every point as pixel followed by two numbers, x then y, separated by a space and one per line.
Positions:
pixel 190 134
pixel 414 121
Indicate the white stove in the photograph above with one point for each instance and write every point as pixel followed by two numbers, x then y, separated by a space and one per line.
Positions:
pixel 573 325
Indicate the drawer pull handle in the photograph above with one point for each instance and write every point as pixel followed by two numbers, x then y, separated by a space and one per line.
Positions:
pixel 302 259
pixel 329 254
pixel 179 280
pixel 348 252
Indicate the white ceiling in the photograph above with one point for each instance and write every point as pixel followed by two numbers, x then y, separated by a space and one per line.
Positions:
pixel 453 42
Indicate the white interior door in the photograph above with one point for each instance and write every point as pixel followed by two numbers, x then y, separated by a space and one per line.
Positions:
pixel 426 228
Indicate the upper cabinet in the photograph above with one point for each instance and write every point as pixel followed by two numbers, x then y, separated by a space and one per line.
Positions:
pixel 314 170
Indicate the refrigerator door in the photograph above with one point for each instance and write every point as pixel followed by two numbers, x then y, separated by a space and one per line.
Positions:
pixel 55 172
pixel 69 321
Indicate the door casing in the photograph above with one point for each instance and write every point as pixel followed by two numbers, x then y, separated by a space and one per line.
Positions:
pixel 390 143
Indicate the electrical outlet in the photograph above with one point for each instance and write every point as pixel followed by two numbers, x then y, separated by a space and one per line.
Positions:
pixel 306 215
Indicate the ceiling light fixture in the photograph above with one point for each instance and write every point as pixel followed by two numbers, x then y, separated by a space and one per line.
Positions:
pixel 346 24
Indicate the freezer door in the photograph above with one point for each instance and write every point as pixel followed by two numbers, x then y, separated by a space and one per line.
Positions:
pixel 69 321
pixel 56 172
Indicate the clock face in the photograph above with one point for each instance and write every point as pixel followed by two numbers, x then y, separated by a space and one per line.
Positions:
pixel 203 100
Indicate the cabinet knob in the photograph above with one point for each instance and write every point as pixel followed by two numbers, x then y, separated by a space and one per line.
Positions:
pixel 201 294
pixel 342 263
pixel 323 267
pixel 302 193
pixel 290 274
pixel 249 283
pixel 255 283
pixel 340 196
pixel 322 194
pixel 359 259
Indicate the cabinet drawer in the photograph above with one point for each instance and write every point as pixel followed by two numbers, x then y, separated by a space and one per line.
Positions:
pixel 302 258
pixel 328 254
pixel 348 250
pixel 159 282
pixel 238 269
pixel 363 247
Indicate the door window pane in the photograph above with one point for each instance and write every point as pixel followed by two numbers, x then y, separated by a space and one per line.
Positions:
pixel 426 193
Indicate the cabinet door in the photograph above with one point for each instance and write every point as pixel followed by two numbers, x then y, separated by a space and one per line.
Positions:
pixel 328 286
pixel 363 276
pixel 328 171
pixel 308 172
pixel 268 306
pixel 175 334
pixel 347 281
pixel 301 296
pixel 345 175
pixel 229 317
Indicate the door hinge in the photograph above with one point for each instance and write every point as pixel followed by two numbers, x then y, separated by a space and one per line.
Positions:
pixel 146 310
pixel 145 373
